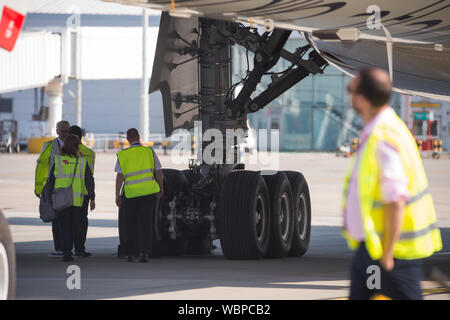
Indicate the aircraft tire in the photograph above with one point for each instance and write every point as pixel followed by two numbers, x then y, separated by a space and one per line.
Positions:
pixel 302 213
pixel 244 216
pixel 161 244
pixel 7 262
pixel 282 215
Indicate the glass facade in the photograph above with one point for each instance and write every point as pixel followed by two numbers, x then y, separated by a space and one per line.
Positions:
pixel 315 114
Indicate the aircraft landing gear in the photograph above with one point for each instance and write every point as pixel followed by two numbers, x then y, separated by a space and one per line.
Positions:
pixel 253 215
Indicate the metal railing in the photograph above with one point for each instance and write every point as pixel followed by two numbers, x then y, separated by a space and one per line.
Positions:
pixel 116 141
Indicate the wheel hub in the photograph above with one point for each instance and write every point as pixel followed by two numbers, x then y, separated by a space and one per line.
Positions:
pixel 260 218
pixel 301 217
pixel 284 216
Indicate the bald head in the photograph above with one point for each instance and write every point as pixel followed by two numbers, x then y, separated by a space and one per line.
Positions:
pixel 374 85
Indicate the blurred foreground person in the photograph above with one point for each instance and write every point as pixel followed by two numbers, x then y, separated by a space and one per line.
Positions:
pixel 70 169
pixel 389 216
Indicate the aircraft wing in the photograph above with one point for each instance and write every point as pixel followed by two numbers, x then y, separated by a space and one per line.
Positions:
pixel 418 32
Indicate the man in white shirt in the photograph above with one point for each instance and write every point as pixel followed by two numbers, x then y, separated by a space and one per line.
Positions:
pixel 135 218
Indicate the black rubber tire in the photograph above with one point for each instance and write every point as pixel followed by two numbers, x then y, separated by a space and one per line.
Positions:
pixel 244 192
pixel 174 182
pixel 302 213
pixel 7 246
pixel 9 148
pixel 159 233
pixel 281 215
pixel 17 148
pixel 192 176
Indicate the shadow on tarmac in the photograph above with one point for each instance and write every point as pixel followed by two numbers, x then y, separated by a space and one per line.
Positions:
pixel 99 223
pixel 104 276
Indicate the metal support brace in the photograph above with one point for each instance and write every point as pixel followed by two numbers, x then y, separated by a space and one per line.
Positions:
pixel 172 217
pixel 211 219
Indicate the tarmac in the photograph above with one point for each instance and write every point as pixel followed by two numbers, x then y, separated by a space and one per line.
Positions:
pixel 322 273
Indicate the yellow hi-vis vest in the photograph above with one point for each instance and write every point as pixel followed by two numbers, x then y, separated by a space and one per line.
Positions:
pixel 420 236
pixel 89 155
pixel 64 168
pixel 137 165
pixel 43 167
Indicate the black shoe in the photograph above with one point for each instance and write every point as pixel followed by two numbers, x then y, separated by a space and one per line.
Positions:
pixel 83 254
pixel 67 258
pixel 120 253
pixel 143 258
pixel 130 259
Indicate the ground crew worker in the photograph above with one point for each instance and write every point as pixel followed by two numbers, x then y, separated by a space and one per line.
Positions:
pixel 81 231
pixel 137 167
pixel 62 175
pixel 389 216
pixel 43 166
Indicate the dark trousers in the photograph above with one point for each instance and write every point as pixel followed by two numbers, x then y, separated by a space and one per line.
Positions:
pixel 81 227
pixel 401 283
pixel 138 217
pixel 57 241
pixel 122 230
pixel 68 221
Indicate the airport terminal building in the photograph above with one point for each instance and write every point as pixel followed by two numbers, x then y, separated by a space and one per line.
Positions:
pixel 109 67
pixel 313 115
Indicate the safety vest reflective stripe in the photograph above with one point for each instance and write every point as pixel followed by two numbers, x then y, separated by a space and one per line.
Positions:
pixel 82 163
pixel 62 176
pixel 416 234
pixel 417 197
pixel 78 194
pixel 127 183
pixel 138 173
pixel 92 161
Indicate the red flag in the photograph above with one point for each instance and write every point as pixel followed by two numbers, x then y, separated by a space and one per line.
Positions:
pixel 10 25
